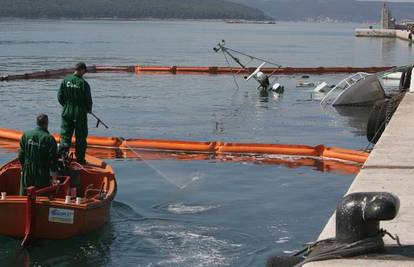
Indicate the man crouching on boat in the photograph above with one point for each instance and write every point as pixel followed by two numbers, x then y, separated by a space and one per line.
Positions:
pixel 37 155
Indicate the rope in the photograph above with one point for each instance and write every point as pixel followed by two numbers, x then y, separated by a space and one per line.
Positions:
pixel 393 237
pixel 253 57
pixel 392 105
pixel 384 123
pixel 337 251
pixel 147 163
pixel 231 69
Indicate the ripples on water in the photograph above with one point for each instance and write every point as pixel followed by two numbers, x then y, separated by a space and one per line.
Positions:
pixel 193 213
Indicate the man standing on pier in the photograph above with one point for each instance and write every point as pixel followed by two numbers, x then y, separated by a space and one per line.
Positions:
pixel 75 97
pixel 37 155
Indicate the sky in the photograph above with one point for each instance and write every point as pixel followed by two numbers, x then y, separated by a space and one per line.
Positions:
pixel 387 1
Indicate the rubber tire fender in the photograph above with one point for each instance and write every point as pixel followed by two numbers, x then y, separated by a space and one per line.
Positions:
pixel 376 121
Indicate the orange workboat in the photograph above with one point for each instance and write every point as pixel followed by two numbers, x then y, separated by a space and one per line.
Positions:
pixel 56 212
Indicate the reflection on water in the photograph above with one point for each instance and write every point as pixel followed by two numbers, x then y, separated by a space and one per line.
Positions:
pixel 139 242
pixel 355 117
pixel 387 48
pixel 390 46
pixel 93 249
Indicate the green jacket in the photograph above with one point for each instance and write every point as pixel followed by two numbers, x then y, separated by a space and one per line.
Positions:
pixel 75 97
pixel 38 155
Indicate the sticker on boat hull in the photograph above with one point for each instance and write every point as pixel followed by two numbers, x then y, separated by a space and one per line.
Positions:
pixel 61 215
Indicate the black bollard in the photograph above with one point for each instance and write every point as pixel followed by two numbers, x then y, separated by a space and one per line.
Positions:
pixel 358 218
pixel 358 215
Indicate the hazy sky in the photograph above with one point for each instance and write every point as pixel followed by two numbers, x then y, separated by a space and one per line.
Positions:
pixel 400 1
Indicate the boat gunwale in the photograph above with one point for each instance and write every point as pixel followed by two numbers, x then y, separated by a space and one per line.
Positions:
pixel 91 203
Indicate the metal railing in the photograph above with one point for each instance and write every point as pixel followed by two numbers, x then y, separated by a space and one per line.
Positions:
pixel 333 95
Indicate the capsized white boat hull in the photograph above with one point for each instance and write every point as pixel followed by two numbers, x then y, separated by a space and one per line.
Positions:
pixel 364 91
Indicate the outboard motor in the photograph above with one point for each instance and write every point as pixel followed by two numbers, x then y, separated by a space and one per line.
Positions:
pixel 358 231
pixel 63 157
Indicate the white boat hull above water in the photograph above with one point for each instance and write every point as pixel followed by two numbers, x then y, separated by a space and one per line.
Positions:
pixel 322 88
pixel 357 89
pixel 364 91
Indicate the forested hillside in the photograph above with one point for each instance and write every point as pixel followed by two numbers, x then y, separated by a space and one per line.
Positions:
pixel 180 9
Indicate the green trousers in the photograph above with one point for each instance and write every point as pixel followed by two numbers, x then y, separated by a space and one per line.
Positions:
pixel 80 127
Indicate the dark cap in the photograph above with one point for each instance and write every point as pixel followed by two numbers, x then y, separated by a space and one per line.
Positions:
pixel 80 66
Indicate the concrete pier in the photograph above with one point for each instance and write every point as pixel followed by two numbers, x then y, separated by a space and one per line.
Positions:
pixel 375 33
pixel 388 33
pixel 389 168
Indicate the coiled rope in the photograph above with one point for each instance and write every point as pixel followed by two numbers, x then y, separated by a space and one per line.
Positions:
pixel 328 248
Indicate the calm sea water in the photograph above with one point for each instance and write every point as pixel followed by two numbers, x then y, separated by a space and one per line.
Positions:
pixel 193 213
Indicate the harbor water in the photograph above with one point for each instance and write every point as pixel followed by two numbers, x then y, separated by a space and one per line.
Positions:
pixel 193 213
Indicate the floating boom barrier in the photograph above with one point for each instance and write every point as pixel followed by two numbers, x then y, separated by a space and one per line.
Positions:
pixel 318 164
pixel 157 70
pixel 214 148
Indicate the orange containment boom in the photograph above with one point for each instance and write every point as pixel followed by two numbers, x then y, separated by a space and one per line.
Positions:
pixel 217 148
pixel 318 164
pixel 191 70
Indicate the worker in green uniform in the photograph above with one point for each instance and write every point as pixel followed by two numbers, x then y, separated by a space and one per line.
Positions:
pixel 75 97
pixel 37 155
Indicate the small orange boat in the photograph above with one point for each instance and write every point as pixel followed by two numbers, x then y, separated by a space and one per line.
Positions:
pixel 51 212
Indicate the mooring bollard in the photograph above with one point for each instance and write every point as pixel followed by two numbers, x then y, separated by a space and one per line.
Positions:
pixel 358 215
pixel 358 232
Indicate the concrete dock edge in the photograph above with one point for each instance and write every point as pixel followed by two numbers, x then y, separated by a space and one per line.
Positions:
pixel 389 168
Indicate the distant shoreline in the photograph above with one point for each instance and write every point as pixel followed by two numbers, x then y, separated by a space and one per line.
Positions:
pixel 262 22
pixel 138 19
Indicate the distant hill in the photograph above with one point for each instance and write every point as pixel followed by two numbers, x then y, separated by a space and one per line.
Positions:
pixel 343 10
pixel 129 9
